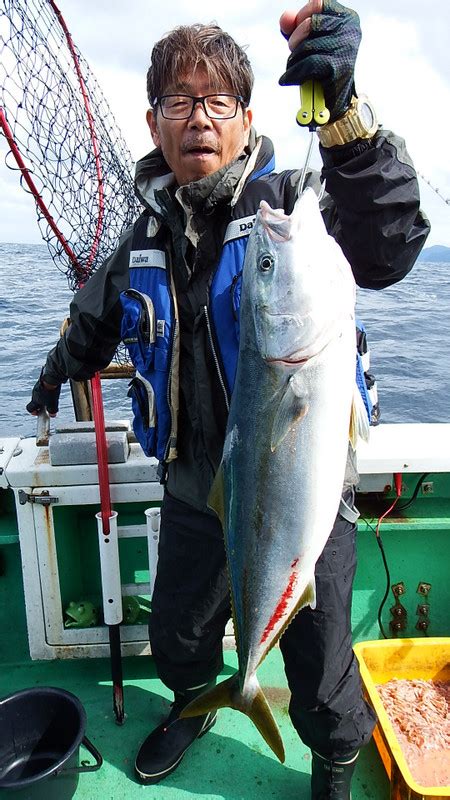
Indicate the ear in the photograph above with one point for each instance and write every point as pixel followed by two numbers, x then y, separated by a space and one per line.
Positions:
pixel 151 122
pixel 248 116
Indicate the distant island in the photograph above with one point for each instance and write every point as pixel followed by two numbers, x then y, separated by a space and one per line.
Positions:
pixel 437 254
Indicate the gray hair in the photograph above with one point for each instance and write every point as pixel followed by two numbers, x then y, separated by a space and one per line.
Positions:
pixel 189 47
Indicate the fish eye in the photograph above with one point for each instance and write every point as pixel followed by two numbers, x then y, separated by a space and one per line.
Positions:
pixel 266 262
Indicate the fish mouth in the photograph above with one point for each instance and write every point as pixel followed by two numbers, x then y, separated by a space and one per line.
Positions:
pixel 295 359
pixel 300 357
pixel 306 344
pixel 276 223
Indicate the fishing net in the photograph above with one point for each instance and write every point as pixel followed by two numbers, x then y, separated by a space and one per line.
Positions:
pixel 72 158
pixel 63 137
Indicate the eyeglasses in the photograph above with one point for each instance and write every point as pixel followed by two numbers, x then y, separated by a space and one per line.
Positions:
pixel 215 106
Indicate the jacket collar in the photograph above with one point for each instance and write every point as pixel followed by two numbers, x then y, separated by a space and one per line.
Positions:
pixel 154 176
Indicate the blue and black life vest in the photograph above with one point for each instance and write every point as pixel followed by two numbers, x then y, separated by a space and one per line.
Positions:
pixel 149 329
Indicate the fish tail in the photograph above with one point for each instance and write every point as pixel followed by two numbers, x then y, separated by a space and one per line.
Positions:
pixel 262 717
pixel 251 702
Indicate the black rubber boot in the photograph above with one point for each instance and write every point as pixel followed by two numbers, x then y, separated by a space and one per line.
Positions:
pixel 330 780
pixel 165 747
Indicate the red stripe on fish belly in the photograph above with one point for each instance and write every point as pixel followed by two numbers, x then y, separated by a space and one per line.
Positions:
pixel 282 605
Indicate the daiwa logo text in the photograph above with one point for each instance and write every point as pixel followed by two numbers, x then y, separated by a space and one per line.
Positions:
pixel 140 259
pixel 147 258
pixel 238 228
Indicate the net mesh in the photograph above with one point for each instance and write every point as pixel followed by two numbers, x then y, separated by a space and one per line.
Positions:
pixel 66 136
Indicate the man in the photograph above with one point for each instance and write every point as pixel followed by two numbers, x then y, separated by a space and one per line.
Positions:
pixel 170 291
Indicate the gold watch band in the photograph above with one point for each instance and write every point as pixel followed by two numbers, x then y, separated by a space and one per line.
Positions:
pixel 352 125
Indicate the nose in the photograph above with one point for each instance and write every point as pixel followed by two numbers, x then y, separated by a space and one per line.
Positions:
pixel 199 117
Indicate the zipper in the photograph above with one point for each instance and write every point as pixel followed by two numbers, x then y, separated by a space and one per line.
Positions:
pixel 216 359
pixel 232 291
pixel 169 384
pixel 163 464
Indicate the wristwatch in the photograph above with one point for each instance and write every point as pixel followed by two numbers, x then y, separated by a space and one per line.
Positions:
pixel 358 122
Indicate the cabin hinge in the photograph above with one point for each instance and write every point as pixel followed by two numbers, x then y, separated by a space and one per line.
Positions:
pixel 42 499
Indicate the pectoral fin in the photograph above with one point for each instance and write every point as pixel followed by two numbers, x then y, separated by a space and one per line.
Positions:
pixel 290 411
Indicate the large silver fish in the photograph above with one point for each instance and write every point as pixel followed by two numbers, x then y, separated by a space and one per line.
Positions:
pixel 278 489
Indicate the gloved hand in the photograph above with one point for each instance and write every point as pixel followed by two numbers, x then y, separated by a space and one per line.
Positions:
pixel 328 55
pixel 42 397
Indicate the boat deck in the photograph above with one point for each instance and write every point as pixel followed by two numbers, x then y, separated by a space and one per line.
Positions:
pixel 232 762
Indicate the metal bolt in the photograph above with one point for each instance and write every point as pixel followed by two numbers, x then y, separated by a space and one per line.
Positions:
pixel 399 611
pixel 397 625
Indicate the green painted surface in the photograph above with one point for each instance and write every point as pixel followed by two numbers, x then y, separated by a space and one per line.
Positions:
pixel 232 762
pixel 78 558
pixel 9 533
pixel 416 543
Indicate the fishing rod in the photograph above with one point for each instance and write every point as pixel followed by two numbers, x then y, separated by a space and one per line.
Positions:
pixel 436 189
pixel 75 164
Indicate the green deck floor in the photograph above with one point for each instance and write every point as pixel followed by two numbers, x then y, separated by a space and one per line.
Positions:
pixel 232 762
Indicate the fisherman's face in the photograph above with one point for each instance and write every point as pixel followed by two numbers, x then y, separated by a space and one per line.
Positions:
pixel 199 146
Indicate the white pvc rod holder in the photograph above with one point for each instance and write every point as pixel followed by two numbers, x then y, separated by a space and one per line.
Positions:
pixel 153 519
pixel 110 570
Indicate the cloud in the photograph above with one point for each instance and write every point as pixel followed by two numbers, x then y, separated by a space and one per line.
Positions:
pixel 18 216
pixel 403 65
pixel 412 96
pixel 432 23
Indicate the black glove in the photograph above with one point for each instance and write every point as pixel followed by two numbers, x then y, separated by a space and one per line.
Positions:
pixel 44 398
pixel 328 55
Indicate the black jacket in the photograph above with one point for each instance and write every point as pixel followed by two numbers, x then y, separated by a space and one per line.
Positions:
pixel 371 207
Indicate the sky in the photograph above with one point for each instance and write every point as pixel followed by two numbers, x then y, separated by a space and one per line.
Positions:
pixel 403 66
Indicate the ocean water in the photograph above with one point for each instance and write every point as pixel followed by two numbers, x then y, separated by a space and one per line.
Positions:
pixel 408 327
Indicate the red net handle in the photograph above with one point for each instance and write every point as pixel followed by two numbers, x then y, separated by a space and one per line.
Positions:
pixel 102 453
pixel 95 148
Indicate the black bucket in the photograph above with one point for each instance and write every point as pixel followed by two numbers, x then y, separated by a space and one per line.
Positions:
pixel 41 731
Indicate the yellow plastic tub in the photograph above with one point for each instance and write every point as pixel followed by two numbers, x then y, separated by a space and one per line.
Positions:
pixel 427 659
